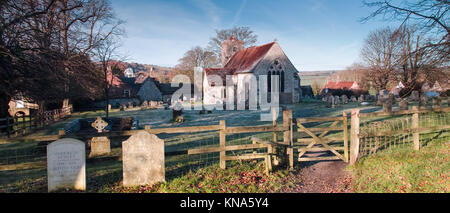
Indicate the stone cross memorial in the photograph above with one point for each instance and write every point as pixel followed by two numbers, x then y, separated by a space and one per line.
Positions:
pixel 99 124
pixel 143 159
pixel 66 165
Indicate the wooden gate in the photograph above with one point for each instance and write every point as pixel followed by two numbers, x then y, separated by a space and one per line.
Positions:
pixel 319 137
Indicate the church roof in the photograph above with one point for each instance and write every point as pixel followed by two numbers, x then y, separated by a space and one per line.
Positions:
pixel 242 61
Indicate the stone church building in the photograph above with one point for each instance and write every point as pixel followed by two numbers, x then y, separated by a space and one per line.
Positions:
pixel 240 63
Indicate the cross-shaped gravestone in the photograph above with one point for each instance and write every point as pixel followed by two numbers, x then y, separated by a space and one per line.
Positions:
pixel 99 124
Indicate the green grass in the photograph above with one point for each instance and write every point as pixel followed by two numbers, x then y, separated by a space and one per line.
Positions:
pixel 245 177
pixel 403 170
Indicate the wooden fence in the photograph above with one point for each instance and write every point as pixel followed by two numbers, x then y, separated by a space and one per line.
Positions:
pixel 222 129
pixel 21 125
pixel 376 135
pixel 313 143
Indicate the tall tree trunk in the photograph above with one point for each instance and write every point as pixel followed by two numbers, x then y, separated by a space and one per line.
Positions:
pixel 4 101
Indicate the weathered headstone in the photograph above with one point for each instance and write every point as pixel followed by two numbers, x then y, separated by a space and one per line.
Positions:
pixel 109 107
pixel 66 165
pixel 144 105
pixel 153 104
pixel 331 101
pixel 387 105
pixel 143 159
pixel 100 146
pixel 403 104
pixel 414 95
pixel 423 102
pixel 344 99
pixel 123 107
pixel 361 98
pixel 337 100
pixel 436 102
pixel 130 105
pixel 353 98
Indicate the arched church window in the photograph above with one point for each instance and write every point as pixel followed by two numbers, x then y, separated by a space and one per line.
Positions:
pixel 269 82
pixel 276 69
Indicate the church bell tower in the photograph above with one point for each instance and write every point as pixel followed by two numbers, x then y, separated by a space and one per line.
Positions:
pixel 229 48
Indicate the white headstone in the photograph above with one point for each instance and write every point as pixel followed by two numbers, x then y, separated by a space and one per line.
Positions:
pixel 66 164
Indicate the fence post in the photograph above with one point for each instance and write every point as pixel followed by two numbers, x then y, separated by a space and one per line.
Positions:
pixel 222 135
pixel 354 140
pixel 273 149
pixel 287 122
pixel 415 126
pixel 345 126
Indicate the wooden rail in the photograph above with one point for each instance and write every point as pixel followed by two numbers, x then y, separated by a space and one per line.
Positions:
pixel 415 130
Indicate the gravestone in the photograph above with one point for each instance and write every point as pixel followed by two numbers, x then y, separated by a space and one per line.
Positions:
pixel 109 107
pixel 387 105
pixel 153 104
pixel 436 102
pixel 344 99
pixel 353 98
pixel 331 101
pixel 403 104
pixel 123 107
pixel 130 105
pixel 100 146
pixel 66 165
pixel 337 100
pixel 143 159
pixel 423 102
pixel 382 97
pixel 144 105
pixel 414 95
pixel 361 98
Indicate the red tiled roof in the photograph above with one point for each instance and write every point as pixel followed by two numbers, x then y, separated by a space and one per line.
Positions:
pixel 339 85
pixel 242 61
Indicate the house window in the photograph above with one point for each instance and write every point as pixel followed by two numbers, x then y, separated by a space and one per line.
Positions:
pixel 126 93
pixel 129 73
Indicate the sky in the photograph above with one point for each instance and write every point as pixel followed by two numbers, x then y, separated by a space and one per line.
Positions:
pixel 316 35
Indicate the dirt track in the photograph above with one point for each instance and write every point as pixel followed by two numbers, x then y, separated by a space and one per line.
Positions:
pixel 321 176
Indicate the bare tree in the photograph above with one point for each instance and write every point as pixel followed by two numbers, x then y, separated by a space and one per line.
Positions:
pixel 316 87
pixel 416 60
pixel 430 16
pixel 379 55
pixel 242 33
pixel 51 41
pixel 108 56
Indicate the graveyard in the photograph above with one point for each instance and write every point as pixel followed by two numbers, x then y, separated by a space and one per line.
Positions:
pixel 203 96
pixel 24 166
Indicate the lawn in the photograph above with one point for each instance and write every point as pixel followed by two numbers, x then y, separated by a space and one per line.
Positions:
pixel 23 163
pixel 403 170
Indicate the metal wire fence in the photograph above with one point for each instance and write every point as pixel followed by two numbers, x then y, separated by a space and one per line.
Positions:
pixel 391 132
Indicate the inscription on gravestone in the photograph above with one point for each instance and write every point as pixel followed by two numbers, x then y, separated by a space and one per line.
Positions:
pixel 66 164
pixel 143 159
pixel 100 146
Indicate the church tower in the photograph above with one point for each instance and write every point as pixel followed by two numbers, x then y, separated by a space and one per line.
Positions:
pixel 229 48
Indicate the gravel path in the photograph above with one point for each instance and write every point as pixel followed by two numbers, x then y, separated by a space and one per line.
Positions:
pixel 321 176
